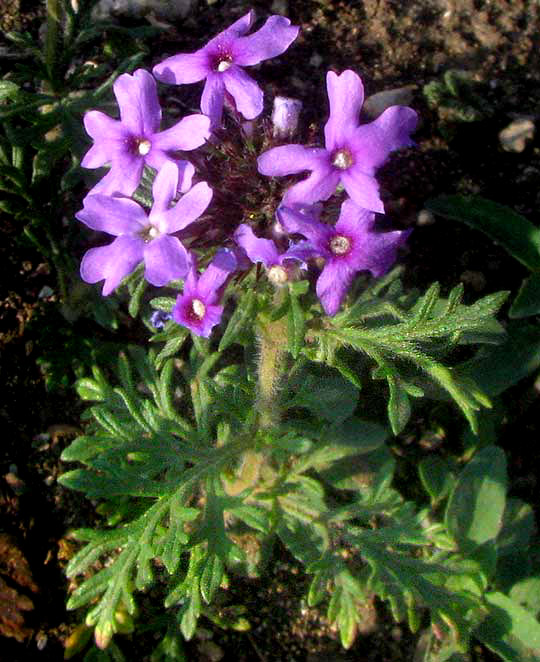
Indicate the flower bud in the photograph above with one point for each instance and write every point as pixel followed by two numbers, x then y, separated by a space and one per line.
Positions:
pixel 285 117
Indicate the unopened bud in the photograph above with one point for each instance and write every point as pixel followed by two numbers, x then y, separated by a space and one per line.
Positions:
pixel 285 117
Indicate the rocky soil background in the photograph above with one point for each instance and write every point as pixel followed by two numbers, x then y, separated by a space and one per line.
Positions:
pixel 398 48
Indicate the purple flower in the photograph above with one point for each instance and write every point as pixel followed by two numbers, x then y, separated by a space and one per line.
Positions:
pixel 159 318
pixel 264 250
pixel 197 308
pixel 351 246
pixel 285 116
pixel 220 62
pixel 352 154
pixel 133 140
pixel 141 237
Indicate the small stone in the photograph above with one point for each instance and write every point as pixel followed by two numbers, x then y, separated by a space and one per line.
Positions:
pixel 376 104
pixel 168 10
pixel 425 217
pixel 475 279
pixel 211 651
pixel 515 136
pixel 316 60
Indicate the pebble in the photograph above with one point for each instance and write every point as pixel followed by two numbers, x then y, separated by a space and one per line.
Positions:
pixel 515 136
pixel 378 103
pixel 164 9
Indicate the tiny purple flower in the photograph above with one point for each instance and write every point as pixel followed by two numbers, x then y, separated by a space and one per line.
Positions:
pixel 197 308
pixel 141 237
pixel 285 116
pixel 352 154
pixel 351 246
pixel 220 63
pixel 159 318
pixel 264 250
pixel 135 139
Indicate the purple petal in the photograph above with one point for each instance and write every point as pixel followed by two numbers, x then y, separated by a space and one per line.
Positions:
pixel 290 159
pixel 165 259
pixel 318 186
pixel 247 95
pixel 116 216
pixel 307 225
pixel 380 251
pixel 258 250
pixel 189 133
pixel 346 96
pixel 185 211
pixel 101 127
pixel 123 177
pixel 113 262
pixel 183 68
pixel 183 314
pixel 157 159
pixel 354 219
pixel 98 155
pixel 212 98
pixel 372 143
pixel 164 187
pixel 332 285
pixel 139 106
pixel 273 39
pixel 215 275
pixel 237 29
pixel 363 189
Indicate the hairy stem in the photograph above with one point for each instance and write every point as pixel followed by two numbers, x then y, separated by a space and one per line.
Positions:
pixel 273 340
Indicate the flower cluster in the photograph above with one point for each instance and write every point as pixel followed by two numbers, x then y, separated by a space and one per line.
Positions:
pixel 158 237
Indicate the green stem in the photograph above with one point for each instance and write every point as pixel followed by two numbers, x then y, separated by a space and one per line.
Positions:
pixel 51 43
pixel 273 340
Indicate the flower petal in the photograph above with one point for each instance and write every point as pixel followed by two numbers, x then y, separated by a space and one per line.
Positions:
pixel 164 187
pixel 116 216
pixel 165 259
pixel 247 95
pixel 113 262
pixel 290 159
pixel 189 133
pixel 237 29
pixel 183 68
pixel 332 285
pixel 123 177
pixel 215 275
pixel 102 128
pixel 380 251
pixel 346 96
pixel 212 98
pixel 187 209
pixel 372 143
pixel 138 102
pixel 257 249
pixel 363 189
pixel 354 219
pixel 307 225
pixel 98 155
pixel 318 186
pixel 273 39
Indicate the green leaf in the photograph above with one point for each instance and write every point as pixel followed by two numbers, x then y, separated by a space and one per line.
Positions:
pixel 8 90
pixel 510 630
pixel 474 513
pixel 163 303
pixel 243 314
pixel 517 529
pixel 437 476
pixel 526 593
pixel 527 301
pixel 326 395
pixel 296 325
pixel 495 369
pixel 211 577
pixel 518 236
pixel 88 389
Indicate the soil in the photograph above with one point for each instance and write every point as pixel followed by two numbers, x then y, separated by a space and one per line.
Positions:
pixel 391 44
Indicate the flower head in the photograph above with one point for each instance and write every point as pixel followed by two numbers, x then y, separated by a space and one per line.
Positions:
pixel 198 308
pixel 220 63
pixel 352 151
pixel 278 265
pixel 140 236
pixel 135 139
pixel 350 246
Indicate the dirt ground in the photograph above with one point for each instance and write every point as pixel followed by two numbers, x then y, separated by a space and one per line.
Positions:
pixel 391 44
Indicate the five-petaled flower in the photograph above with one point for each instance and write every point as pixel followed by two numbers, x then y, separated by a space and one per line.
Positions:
pixel 140 236
pixel 350 246
pixel 198 307
pixel 352 153
pixel 220 62
pixel 134 140
pixel 280 266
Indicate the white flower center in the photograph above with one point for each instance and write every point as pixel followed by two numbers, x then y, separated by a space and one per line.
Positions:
pixel 277 275
pixel 340 245
pixel 144 147
pixel 198 308
pixel 342 159
pixel 223 65
pixel 153 232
